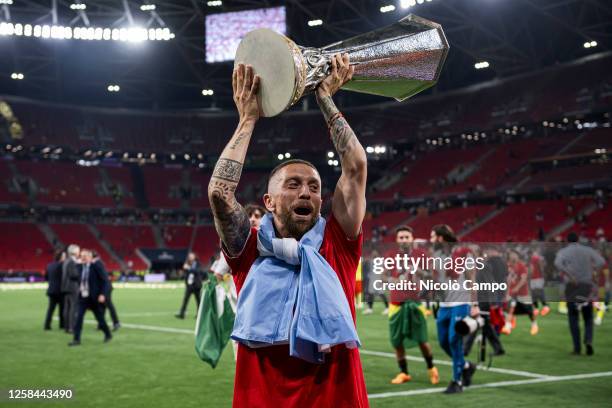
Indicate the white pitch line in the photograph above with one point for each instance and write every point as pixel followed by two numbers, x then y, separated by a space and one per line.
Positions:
pixel 362 351
pixel 145 314
pixel 449 363
pixel 539 377
pixel 150 328
pixel 494 384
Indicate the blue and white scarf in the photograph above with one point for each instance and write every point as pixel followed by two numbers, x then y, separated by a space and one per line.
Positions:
pixel 292 295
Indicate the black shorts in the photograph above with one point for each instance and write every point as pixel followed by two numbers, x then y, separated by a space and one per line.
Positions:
pixel 521 308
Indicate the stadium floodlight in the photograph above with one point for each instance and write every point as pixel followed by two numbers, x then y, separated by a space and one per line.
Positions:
pixel 78 6
pixel 148 7
pixel 208 92
pixel 407 3
pixel 6 2
pixel 481 65
pixel 214 3
pixel 314 23
pixel 387 8
pixel 280 156
pixel 590 44
pixel 287 155
pixel 330 154
pixel 113 88
pixel 131 34
pixel 17 75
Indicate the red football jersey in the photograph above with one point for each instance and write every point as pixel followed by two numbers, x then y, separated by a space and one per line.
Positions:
pixel 269 377
pixel 516 272
pixel 397 297
pixel 536 270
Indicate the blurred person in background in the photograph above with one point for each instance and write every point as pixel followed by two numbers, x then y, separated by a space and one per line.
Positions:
pixel 70 286
pixel 93 287
pixel 54 290
pixel 455 305
pixel 108 305
pixel 255 213
pixel 518 291
pixel 579 264
pixel 489 303
pixel 536 284
pixel 407 322
pixel 193 282
pixel 368 285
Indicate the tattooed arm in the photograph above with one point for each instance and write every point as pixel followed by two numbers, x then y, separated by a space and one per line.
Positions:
pixel 231 220
pixel 349 203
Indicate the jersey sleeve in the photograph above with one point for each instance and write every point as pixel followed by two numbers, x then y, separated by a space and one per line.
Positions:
pixel 346 252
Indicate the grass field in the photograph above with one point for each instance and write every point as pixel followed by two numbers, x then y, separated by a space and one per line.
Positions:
pixel 151 361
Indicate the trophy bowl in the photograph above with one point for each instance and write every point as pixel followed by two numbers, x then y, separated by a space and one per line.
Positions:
pixel 396 61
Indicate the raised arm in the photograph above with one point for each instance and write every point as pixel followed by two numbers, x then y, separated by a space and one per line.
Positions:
pixel 349 203
pixel 231 220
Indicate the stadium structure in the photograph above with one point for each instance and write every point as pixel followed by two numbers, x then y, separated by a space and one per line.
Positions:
pixel 113 115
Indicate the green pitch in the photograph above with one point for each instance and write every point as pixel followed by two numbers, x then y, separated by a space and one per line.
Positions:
pixel 146 367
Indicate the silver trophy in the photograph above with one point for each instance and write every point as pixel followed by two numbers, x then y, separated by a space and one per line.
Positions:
pixel 397 61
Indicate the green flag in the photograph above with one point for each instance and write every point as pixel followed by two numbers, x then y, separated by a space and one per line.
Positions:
pixel 214 323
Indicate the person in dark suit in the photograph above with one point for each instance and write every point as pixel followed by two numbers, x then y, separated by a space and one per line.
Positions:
pixel 54 290
pixel 70 286
pixel 193 282
pixel 109 300
pixel 93 287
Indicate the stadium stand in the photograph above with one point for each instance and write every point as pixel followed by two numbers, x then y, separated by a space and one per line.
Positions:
pixel 23 247
pixel 126 240
pixel 457 159
pixel 81 234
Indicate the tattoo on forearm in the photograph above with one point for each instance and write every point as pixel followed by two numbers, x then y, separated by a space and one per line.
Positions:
pixel 343 137
pixel 238 140
pixel 231 220
pixel 328 107
pixel 232 224
pixel 228 170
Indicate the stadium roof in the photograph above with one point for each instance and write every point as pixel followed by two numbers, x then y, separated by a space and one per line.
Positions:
pixel 512 36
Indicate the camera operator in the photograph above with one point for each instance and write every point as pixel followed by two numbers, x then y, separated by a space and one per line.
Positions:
pixel 489 303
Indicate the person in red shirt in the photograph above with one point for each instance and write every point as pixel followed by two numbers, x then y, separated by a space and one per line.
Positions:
pixel 407 323
pixel 536 283
pixel 269 376
pixel 518 290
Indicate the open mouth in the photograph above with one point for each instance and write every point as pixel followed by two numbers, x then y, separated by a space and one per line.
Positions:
pixel 303 211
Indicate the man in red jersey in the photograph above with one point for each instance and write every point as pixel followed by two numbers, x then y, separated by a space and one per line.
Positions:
pixel 268 376
pixel 518 290
pixel 536 283
pixel 407 322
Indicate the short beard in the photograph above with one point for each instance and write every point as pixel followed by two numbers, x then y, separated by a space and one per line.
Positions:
pixel 297 230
